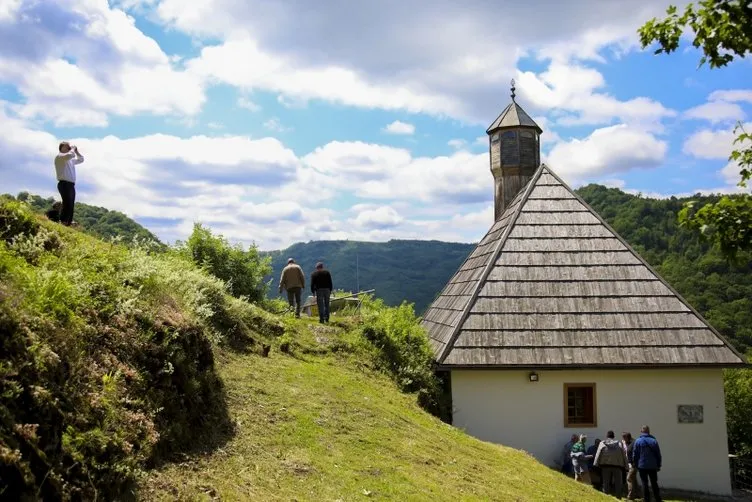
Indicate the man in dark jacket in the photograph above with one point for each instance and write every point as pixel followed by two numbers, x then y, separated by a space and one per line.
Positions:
pixel 633 486
pixel 321 287
pixel 646 456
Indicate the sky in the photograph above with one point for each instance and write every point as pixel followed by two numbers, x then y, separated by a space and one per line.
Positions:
pixel 275 122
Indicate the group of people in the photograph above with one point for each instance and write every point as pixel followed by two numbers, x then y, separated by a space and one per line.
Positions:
pixel 293 281
pixel 614 466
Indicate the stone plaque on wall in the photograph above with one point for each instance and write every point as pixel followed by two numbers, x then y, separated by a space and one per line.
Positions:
pixel 690 414
pixel 510 152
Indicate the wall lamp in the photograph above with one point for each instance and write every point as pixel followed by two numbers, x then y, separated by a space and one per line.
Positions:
pixel 533 376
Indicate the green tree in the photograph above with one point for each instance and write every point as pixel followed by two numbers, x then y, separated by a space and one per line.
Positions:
pixel 243 270
pixel 723 31
pixel 738 385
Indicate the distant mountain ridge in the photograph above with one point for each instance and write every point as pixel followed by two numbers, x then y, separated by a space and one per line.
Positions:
pixel 416 271
pixel 398 270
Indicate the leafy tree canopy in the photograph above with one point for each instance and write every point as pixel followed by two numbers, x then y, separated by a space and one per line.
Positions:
pixel 723 31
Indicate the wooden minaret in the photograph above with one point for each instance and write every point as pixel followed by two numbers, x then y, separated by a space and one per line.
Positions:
pixel 514 147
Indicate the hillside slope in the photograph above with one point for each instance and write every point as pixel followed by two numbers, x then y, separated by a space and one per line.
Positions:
pixel 321 425
pixel 97 221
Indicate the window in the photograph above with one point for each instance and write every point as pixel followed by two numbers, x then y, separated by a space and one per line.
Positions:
pixel 580 405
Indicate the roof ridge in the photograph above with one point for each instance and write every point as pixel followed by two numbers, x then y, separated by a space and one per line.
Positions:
pixel 491 263
pixel 647 265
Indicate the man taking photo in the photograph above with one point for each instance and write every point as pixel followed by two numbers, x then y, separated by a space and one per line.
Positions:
pixel 65 168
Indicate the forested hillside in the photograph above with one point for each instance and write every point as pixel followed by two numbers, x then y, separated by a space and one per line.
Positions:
pixel 417 270
pixel 94 220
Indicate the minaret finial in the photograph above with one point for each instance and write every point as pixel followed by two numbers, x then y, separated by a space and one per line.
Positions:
pixel 513 88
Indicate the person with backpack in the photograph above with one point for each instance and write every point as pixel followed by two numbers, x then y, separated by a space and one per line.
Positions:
pixel 612 461
pixel 292 280
pixel 646 456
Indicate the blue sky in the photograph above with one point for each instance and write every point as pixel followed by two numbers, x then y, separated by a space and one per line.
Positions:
pixel 292 121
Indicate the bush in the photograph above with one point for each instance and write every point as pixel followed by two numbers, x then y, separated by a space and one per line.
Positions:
pixel 403 351
pixel 243 270
pixel 738 386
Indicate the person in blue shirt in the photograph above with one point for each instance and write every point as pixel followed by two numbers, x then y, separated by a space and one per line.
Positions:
pixel 646 457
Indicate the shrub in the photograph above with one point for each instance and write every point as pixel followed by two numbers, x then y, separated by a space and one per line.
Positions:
pixel 243 270
pixel 403 351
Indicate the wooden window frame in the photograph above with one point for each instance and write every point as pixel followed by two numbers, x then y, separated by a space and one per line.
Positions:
pixel 594 423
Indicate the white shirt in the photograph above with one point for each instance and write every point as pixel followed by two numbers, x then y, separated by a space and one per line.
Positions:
pixel 65 165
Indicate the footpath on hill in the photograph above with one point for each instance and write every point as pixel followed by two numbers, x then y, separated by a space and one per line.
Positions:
pixel 318 425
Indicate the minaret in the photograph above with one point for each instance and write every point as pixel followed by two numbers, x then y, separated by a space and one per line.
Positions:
pixel 514 148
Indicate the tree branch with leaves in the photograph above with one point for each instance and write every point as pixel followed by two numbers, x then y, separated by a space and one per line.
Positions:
pixel 723 31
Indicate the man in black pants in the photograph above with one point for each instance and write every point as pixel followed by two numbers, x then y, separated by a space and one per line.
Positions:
pixel 646 456
pixel 65 168
pixel 321 287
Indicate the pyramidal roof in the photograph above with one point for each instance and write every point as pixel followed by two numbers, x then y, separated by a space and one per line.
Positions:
pixel 513 116
pixel 552 285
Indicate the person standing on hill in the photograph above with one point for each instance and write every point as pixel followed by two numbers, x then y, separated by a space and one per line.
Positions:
pixel 321 287
pixel 580 461
pixel 646 456
pixel 612 461
pixel 293 280
pixel 66 160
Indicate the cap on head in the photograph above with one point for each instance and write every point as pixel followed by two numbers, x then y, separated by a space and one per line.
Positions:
pixel 319 265
pixel 290 260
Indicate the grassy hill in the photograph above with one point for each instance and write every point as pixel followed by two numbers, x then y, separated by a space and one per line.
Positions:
pixel 128 373
pixel 416 271
pixel 94 220
pixel 322 425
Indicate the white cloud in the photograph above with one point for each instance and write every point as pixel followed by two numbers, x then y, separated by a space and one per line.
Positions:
pixel 77 62
pixel 373 56
pixel 607 150
pixel 722 106
pixel 573 88
pixel 732 95
pixel 380 218
pixel 246 103
pixel 716 145
pixel 457 144
pixel 399 127
pixel 273 124
pixel 716 111
pixel 711 144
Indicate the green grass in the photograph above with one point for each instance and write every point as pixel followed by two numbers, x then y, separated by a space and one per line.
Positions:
pixel 318 425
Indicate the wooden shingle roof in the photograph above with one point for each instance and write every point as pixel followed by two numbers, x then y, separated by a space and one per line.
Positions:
pixel 552 285
pixel 513 116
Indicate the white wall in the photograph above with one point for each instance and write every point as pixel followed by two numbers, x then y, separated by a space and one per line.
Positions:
pixel 504 407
